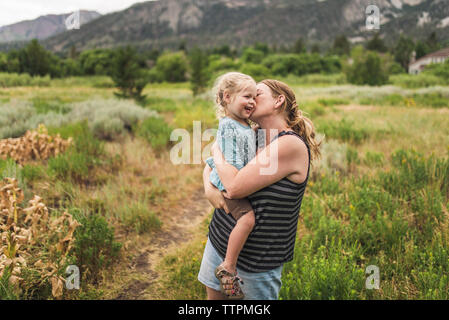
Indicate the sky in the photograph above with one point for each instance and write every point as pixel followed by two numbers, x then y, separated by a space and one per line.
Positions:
pixel 12 11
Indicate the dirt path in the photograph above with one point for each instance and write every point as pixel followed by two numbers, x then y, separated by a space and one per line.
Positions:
pixel 175 232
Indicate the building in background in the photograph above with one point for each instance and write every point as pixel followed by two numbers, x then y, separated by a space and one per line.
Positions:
pixel 416 66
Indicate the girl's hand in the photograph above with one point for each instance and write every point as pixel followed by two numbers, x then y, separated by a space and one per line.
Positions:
pixel 216 198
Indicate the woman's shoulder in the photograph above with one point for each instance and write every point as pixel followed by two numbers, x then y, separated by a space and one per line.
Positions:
pixel 292 145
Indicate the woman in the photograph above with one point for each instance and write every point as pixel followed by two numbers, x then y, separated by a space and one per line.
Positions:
pixel 274 182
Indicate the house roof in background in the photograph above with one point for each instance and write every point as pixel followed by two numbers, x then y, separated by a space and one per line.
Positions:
pixel 444 53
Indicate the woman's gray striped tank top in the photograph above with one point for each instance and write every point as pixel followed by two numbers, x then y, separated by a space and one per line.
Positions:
pixel 272 241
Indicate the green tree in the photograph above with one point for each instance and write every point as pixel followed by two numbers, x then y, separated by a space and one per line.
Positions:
pixel 299 46
pixel 341 45
pixel 3 62
pixel 403 51
pixel 263 47
pixel 172 67
pixel 432 42
pixel 35 59
pixel 96 61
pixel 127 75
pixel 376 44
pixel 198 65
pixel 367 68
pixel 315 49
pixel 421 49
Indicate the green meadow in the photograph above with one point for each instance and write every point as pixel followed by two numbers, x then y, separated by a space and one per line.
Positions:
pixel 379 195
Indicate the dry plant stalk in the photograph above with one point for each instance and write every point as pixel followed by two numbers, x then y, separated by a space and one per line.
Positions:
pixel 26 234
pixel 34 145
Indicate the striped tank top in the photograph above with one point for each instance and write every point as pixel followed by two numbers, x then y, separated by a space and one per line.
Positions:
pixel 272 240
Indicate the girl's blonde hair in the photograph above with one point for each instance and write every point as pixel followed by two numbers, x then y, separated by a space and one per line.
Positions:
pixel 233 83
pixel 302 125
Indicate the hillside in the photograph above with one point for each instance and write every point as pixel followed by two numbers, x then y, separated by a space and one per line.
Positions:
pixel 165 23
pixel 42 27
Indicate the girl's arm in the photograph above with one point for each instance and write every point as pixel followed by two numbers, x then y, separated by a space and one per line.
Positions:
pixel 214 195
pixel 276 161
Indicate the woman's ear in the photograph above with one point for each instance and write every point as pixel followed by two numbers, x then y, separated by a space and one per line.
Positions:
pixel 279 101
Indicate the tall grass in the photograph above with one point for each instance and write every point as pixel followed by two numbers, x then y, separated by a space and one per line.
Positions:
pixel 394 219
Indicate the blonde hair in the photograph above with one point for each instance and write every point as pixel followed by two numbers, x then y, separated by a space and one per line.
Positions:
pixel 302 125
pixel 233 83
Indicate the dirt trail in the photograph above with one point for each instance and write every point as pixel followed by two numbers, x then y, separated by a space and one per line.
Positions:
pixel 176 231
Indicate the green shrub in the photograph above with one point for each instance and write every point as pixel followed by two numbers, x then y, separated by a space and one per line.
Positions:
pixel 8 80
pixel 85 153
pixel 109 119
pixel 156 131
pixel 94 248
pixel 139 217
pixel 325 274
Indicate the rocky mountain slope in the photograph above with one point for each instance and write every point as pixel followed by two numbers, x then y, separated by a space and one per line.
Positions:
pixel 42 27
pixel 165 23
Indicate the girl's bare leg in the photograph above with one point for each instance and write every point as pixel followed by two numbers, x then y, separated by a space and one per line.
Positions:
pixel 237 239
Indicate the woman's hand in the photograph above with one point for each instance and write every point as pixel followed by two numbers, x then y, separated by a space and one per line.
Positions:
pixel 214 195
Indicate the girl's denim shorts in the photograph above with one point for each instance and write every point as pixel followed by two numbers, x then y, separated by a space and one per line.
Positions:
pixel 256 285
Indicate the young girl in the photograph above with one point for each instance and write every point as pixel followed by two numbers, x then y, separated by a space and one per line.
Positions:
pixel 235 95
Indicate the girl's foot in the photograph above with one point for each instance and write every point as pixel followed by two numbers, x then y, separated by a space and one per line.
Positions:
pixel 229 283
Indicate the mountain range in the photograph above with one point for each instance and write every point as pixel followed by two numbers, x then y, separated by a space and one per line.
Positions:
pixel 42 27
pixel 166 23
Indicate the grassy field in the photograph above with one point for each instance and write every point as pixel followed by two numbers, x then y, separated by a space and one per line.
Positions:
pixel 379 196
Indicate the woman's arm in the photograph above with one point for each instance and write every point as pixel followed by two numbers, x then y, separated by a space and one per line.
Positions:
pixel 276 161
pixel 214 195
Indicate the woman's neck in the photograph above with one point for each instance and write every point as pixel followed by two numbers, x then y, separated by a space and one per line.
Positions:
pixel 276 124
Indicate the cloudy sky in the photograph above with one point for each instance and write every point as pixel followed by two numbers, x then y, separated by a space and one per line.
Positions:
pixel 12 11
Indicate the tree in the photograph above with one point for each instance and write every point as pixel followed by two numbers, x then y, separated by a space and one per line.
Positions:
pixel 73 54
pixel 263 47
pixel 3 62
pixel 432 42
pixel 421 49
pixel 35 60
pixel 182 46
pixel 367 68
pixel 341 45
pixel 96 61
pixel 315 49
pixel 376 44
pixel 127 75
pixel 299 46
pixel 198 64
pixel 403 51
pixel 172 67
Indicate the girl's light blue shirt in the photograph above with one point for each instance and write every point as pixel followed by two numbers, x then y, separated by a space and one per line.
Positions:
pixel 237 142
